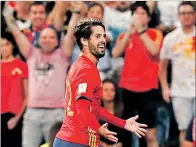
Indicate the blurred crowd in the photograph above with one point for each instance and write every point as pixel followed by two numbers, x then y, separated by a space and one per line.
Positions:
pixel 148 68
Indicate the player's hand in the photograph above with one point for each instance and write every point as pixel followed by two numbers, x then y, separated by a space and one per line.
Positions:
pixel 103 131
pixel 135 127
pixel 166 94
pixel 12 122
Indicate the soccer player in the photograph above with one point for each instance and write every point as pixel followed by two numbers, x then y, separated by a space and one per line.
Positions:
pixel 84 91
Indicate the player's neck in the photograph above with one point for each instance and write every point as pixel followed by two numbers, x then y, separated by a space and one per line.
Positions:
pixel 91 57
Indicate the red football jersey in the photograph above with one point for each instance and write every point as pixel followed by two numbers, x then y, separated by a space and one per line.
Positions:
pixel 140 71
pixel 12 74
pixel 83 82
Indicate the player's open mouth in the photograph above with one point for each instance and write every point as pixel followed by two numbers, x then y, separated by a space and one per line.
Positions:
pixel 101 46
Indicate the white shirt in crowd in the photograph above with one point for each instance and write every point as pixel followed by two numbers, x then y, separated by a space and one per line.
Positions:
pixel 180 48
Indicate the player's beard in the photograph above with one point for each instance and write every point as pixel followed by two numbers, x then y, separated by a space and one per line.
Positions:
pixel 95 51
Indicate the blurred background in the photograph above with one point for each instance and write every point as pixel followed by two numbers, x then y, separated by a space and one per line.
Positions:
pixel 26 85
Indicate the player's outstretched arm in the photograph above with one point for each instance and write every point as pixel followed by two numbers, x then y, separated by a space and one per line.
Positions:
pixel 135 127
pixel 87 117
pixel 129 124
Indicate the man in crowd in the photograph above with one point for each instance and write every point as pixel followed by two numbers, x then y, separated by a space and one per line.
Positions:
pixel 179 47
pixel 139 77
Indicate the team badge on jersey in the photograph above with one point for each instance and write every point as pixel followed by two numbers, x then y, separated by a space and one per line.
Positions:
pixel 82 88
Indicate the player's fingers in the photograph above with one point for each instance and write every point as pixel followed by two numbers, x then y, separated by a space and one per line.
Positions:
pixel 112 138
pixel 140 132
pixel 142 125
pixel 105 125
pixel 136 117
pixel 143 130
pixel 138 135
pixel 111 133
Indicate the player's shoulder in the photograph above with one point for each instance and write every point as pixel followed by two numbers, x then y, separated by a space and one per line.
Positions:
pixel 81 65
pixel 85 62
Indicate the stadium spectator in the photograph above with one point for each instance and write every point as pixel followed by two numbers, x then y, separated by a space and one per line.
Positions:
pixel 39 20
pixel 179 47
pixel 139 77
pixel 14 74
pixel 112 103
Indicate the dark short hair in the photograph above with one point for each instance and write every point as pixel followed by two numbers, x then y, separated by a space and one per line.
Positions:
pixel 140 4
pixel 83 29
pixel 186 3
pixel 36 3
pixel 92 4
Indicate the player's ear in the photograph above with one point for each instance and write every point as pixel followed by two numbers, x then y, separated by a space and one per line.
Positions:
pixel 84 41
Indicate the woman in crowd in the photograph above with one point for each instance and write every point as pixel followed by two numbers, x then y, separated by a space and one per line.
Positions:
pixel 14 73
pixel 112 103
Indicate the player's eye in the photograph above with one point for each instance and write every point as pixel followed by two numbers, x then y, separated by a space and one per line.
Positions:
pixel 98 36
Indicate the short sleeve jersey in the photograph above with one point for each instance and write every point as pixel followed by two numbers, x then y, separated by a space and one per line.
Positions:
pixel 83 81
pixel 12 74
pixel 140 71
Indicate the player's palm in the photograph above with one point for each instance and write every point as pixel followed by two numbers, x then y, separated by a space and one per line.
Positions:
pixel 135 127
pixel 103 131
